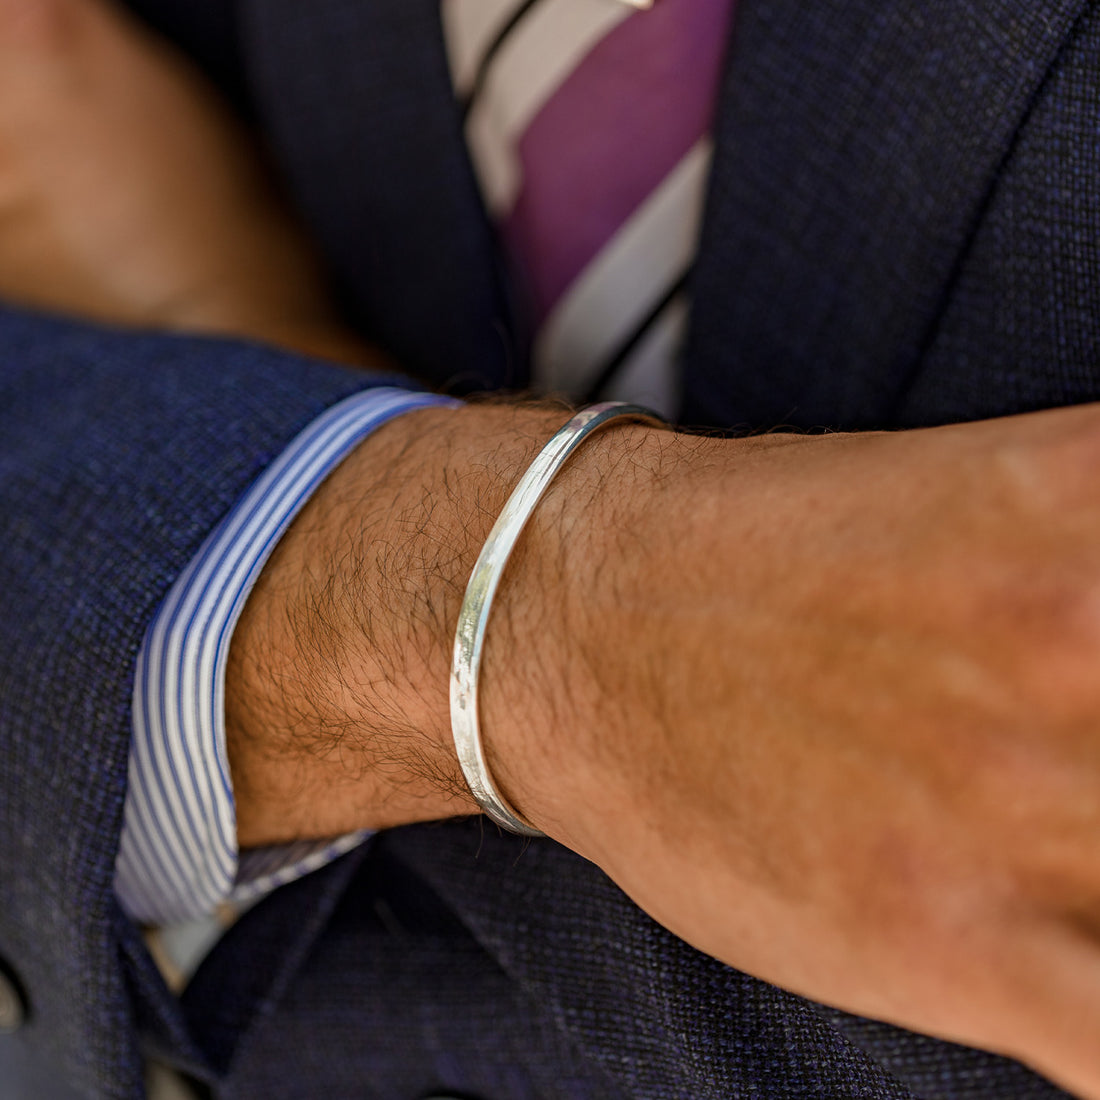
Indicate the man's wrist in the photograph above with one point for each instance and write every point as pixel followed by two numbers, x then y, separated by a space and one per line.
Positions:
pixel 558 683
pixel 337 704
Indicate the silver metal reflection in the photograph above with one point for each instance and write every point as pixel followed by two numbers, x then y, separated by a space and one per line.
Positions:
pixel 473 616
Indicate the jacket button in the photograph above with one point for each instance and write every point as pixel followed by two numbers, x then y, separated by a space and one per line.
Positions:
pixel 12 1010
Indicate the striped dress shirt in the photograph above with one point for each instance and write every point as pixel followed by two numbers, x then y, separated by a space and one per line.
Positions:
pixel 178 859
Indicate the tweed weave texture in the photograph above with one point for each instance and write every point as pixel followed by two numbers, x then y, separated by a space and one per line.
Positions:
pixel 858 148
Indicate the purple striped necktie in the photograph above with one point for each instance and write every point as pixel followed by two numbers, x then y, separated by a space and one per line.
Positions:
pixel 588 122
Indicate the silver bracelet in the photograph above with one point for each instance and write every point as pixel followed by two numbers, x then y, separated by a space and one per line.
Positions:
pixel 478 601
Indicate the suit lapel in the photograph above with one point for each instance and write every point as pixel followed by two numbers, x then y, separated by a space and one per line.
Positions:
pixel 356 98
pixel 857 143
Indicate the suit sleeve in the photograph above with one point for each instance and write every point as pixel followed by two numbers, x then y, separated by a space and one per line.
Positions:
pixel 119 453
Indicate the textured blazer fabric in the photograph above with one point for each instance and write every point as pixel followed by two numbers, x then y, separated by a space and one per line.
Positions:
pixel 903 228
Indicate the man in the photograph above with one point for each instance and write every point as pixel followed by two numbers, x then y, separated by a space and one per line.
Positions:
pixel 841 728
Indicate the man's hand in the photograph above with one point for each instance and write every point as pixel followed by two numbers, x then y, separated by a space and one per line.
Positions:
pixel 826 707
pixel 129 194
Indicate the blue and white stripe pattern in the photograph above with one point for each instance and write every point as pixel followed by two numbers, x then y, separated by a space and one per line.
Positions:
pixel 178 858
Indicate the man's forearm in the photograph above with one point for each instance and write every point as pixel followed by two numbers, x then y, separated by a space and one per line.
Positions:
pixel 825 707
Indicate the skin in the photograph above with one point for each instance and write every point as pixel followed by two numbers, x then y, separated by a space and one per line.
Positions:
pixel 826 707
pixel 104 212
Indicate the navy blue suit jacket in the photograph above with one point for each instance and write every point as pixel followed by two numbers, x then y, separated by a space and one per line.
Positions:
pixel 903 228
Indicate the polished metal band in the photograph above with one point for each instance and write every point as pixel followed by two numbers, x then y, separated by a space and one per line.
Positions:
pixel 478 601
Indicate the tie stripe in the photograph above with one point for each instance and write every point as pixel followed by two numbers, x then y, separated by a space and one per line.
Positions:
pixel 662 316
pixel 614 129
pixel 481 74
pixel 526 72
pixel 588 122
pixel 475 29
pixel 623 283
pixel 647 376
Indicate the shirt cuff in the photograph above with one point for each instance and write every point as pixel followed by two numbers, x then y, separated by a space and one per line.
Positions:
pixel 178 857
